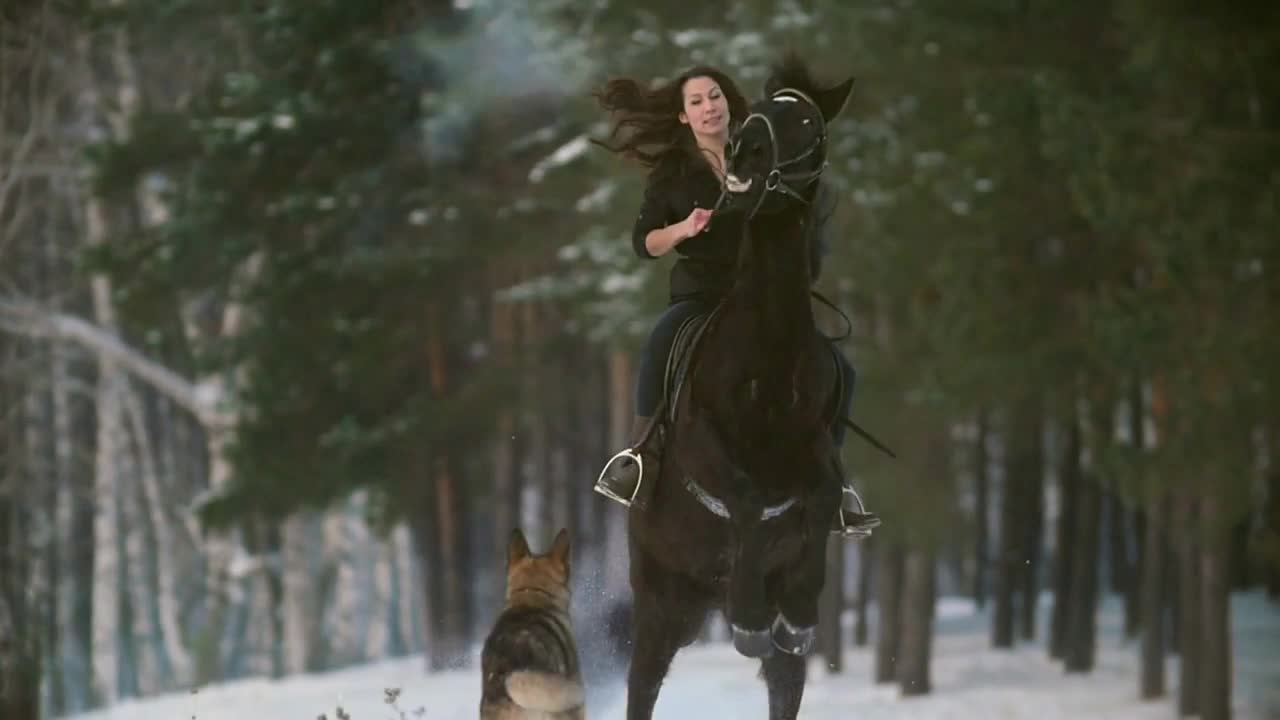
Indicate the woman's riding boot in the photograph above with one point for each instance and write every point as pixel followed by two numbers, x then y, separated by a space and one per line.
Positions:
pixel 625 473
pixel 852 520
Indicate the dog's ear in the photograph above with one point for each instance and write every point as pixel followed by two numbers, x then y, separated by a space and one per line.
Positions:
pixel 560 548
pixel 517 548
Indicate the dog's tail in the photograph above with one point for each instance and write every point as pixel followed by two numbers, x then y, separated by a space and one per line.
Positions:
pixel 544 692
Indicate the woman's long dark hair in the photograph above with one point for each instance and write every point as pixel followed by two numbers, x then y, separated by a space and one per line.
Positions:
pixel 647 125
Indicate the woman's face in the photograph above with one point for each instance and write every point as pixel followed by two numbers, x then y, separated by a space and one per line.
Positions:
pixel 706 111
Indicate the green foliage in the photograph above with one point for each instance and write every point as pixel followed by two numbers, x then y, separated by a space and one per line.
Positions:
pixel 303 184
pixel 1035 198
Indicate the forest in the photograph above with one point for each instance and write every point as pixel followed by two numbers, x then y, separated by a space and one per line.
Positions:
pixel 305 304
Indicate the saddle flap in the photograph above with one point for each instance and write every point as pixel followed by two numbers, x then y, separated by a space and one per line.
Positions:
pixel 687 337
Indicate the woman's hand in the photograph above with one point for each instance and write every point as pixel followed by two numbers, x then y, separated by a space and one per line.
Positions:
pixel 659 242
pixel 696 222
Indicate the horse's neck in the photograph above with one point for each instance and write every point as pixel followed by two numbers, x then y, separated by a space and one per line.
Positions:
pixel 776 280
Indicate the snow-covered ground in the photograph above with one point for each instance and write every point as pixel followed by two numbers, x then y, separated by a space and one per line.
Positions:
pixel 970 681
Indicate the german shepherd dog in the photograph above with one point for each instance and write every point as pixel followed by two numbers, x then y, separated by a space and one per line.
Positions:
pixel 530 659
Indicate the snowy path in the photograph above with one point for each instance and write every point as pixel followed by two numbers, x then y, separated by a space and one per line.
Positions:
pixel 970 681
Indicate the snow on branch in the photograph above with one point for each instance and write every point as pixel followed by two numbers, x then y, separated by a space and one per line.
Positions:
pixel 563 155
pixel 200 399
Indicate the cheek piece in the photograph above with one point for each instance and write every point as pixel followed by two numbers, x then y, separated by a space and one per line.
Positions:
pixel 779 179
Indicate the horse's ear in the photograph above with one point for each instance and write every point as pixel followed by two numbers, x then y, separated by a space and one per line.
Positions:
pixel 788 70
pixel 831 102
pixel 517 548
pixel 560 547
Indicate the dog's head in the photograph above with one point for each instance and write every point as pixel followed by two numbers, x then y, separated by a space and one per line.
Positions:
pixel 532 576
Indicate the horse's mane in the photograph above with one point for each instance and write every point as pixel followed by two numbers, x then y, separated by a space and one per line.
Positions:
pixel 791 72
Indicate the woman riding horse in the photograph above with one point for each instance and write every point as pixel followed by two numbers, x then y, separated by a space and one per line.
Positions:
pixel 679 130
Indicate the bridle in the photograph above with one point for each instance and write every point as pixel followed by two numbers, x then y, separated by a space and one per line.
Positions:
pixel 779 180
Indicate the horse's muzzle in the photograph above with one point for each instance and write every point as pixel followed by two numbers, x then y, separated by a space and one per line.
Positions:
pixel 734 185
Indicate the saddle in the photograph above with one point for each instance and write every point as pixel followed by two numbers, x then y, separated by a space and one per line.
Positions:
pixel 688 336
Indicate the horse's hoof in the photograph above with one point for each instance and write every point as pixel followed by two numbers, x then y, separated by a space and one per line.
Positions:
pixel 753 643
pixel 793 640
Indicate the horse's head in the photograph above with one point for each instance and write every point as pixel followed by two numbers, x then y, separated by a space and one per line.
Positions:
pixel 780 150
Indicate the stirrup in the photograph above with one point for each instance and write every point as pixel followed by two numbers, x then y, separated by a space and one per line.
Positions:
pixel 868 521
pixel 856 506
pixel 604 489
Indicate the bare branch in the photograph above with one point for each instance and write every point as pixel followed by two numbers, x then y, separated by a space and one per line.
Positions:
pixel 200 399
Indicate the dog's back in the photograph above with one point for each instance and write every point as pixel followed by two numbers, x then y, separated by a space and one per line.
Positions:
pixel 530 659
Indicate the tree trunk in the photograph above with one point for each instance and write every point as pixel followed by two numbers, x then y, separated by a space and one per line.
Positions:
pixel 1119 570
pixel 77 659
pixel 1151 682
pixel 165 543
pixel 1082 623
pixel 981 513
pixel 225 593
pixel 378 643
pixel 1033 523
pixel 262 635
pixel 831 608
pixel 1188 617
pixel 1140 598
pixel 889 581
pixel 409 602
pixel 1082 626
pixel 145 657
pixel 866 560
pixel 20 669
pixel 109 447
pixel 1012 533
pixel 1133 585
pixel 33 483
pixel 561 500
pixel 448 561
pixel 590 433
pixel 621 412
pixel 916 622
pixel 1063 567
pixel 449 631
pixel 298 601
pixel 1271 517
pixel 536 518
pixel 1215 613
pixel 1172 598
pixel 506 507
pixel 423 524
pixel 340 617
pixel 64 653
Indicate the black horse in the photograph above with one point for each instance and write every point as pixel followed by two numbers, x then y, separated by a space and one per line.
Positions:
pixel 739 518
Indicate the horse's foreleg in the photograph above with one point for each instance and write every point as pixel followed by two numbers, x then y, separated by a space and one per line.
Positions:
pixel 653 648
pixel 784 675
pixel 667 617
pixel 748 609
pixel 795 628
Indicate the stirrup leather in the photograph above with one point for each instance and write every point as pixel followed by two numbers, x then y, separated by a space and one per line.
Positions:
pixel 604 489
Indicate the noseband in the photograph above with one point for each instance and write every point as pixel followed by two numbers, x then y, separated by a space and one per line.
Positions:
pixel 779 180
